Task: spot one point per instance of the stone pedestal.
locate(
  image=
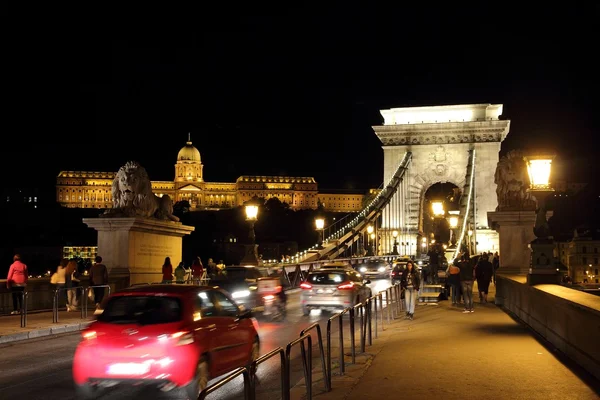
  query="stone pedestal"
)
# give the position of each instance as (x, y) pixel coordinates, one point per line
(543, 268)
(250, 255)
(138, 246)
(515, 231)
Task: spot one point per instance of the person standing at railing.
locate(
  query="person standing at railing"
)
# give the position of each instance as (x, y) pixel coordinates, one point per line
(180, 273)
(167, 271)
(197, 270)
(98, 277)
(60, 280)
(70, 269)
(411, 283)
(16, 282)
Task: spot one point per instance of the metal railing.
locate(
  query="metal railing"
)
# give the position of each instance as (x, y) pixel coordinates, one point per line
(222, 382)
(321, 351)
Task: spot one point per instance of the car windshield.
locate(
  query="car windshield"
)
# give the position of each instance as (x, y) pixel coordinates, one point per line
(142, 310)
(240, 274)
(326, 277)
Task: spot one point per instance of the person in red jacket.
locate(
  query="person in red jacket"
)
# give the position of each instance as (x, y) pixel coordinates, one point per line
(167, 271)
(16, 281)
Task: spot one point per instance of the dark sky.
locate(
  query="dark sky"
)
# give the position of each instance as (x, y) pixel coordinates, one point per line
(294, 93)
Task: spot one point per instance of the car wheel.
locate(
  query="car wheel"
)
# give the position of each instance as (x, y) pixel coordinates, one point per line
(305, 310)
(86, 391)
(200, 380)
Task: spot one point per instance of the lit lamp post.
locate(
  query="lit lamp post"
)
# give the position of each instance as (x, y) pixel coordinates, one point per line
(395, 249)
(453, 222)
(542, 268)
(251, 256)
(470, 233)
(320, 225)
(370, 237)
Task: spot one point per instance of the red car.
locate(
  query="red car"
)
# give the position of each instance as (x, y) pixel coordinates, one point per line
(169, 336)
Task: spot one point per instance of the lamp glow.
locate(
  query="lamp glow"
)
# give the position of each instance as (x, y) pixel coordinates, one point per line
(319, 223)
(538, 168)
(438, 208)
(453, 222)
(370, 229)
(251, 212)
(395, 234)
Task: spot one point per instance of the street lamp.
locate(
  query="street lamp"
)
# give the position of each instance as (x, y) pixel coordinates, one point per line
(453, 222)
(437, 207)
(320, 225)
(470, 233)
(542, 248)
(251, 256)
(372, 244)
(370, 236)
(395, 249)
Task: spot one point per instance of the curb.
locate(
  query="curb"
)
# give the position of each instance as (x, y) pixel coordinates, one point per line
(43, 332)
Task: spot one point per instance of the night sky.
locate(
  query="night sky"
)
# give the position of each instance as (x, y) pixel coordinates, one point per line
(292, 94)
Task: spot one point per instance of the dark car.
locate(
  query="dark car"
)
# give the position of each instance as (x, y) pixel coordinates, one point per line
(241, 283)
(165, 336)
(375, 268)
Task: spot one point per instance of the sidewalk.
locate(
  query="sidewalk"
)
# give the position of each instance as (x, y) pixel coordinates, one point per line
(446, 354)
(39, 324)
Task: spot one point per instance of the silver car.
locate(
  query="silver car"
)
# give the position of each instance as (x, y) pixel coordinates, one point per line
(333, 289)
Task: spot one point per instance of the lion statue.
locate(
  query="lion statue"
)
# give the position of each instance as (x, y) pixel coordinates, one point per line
(132, 196)
(512, 182)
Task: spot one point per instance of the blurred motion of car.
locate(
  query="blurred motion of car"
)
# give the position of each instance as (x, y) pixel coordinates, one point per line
(333, 289)
(167, 336)
(336, 265)
(241, 283)
(375, 268)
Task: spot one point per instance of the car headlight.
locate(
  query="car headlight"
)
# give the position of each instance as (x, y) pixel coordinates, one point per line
(240, 294)
(381, 269)
(420, 263)
(363, 269)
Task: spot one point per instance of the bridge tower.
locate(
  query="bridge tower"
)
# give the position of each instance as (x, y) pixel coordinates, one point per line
(445, 142)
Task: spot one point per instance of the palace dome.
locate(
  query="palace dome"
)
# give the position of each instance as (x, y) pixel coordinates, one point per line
(188, 152)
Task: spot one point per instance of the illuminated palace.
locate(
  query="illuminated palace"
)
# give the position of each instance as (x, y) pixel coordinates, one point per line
(78, 189)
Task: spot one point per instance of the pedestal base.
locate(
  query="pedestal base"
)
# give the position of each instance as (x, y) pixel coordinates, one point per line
(515, 229)
(543, 276)
(250, 255)
(138, 246)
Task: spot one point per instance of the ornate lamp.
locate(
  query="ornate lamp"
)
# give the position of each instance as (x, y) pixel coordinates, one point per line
(320, 225)
(251, 256)
(370, 237)
(542, 268)
(395, 249)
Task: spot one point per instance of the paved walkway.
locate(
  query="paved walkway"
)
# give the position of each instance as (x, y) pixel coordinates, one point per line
(445, 354)
(40, 324)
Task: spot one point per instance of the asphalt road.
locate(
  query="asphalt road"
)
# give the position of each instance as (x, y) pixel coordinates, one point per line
(41, 369)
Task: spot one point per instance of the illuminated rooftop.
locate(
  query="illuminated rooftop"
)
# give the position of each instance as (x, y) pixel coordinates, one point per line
(440, 114)
(276, 179)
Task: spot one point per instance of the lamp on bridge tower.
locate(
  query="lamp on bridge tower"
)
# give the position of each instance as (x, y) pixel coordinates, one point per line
(251, 255)
(543, 268)
(395, 249)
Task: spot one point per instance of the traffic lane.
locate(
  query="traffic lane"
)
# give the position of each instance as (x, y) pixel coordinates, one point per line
(43, 368)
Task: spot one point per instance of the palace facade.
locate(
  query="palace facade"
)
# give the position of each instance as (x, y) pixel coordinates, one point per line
(80, 189)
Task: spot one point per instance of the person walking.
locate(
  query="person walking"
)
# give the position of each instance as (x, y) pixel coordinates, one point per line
(167, 271)
(16, 282)
(454, 281)
(98, 277)
(483, 272)
(466, 282)
(495, 264)
(411, 283)
(61, 280)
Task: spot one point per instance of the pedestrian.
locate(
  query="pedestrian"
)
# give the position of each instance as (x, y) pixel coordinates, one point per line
(167, 271)
(454, 281)
(98, 279)
(197, 270)
(483, 272)
(411, 283)
(70, 270)
(466, 282)
(496, 264)
(16, 282)
(180, 273)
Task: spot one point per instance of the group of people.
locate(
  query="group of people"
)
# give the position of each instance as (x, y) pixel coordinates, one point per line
(195, 273)
(67, 278)
(461, 276)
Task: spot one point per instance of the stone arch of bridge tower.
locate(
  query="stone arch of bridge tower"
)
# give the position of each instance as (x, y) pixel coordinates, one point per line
(425, 180)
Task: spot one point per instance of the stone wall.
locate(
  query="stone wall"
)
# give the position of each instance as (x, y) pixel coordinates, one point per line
(569, 319)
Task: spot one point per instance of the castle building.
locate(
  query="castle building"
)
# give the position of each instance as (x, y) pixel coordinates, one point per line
(80, 189)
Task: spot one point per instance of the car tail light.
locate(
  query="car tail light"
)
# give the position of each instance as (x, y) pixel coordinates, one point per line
(305, 285)
(182, 338)
(346, 286)
(269, 297)
(89, 335)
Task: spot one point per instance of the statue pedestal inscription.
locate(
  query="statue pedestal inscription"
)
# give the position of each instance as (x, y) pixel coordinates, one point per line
(138, 246)
(515, 229)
